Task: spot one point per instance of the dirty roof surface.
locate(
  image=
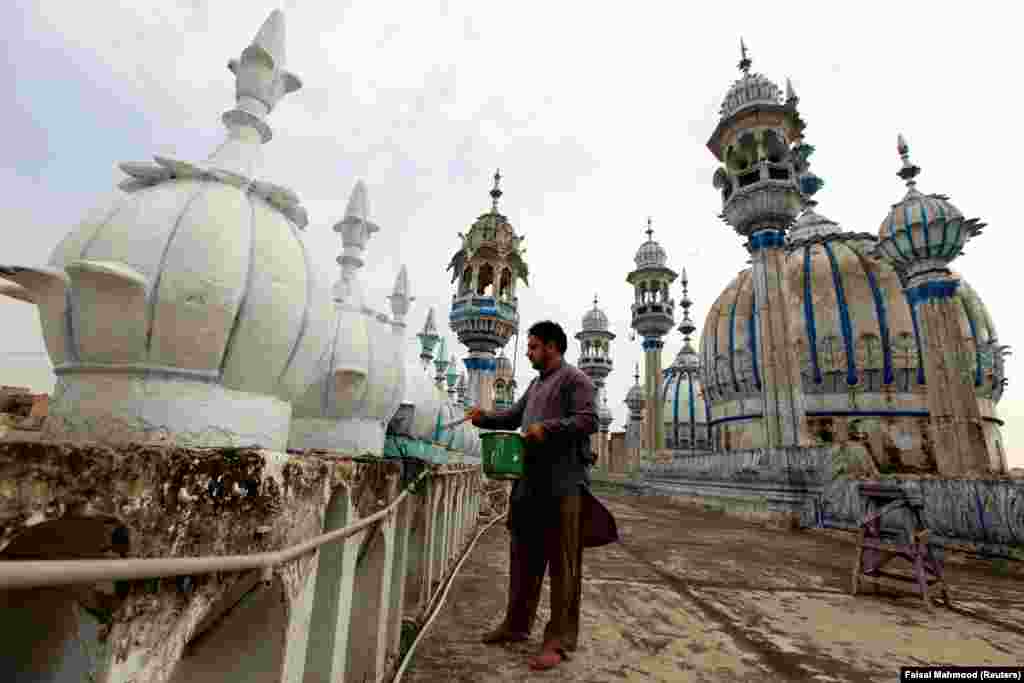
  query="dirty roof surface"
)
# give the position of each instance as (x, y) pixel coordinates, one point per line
(694, 595)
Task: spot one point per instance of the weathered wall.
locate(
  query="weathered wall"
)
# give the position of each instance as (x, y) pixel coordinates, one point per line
(76, 501)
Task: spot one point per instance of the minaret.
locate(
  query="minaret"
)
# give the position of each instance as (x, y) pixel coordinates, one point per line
(485, 309)
(428, 340)
(652, 318)
(503, 382)
(441, 363)
(688, 360)
(635, 400)
(462, 390)
(605, 419)
(761, 198)
(920, 237)
(596, 361)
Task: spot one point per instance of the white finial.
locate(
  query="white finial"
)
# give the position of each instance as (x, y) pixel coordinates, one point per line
(355, 232)
(790, 92)
(260, 77)
(909, 170)
(400, 297)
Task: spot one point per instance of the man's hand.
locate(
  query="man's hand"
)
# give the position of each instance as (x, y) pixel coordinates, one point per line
(474, 414)
(534, 432)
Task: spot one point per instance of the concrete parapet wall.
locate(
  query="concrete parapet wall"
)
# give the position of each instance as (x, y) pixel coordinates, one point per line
(74, 501)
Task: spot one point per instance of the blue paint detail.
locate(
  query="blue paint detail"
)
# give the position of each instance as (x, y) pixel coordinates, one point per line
(652, 343)
(883, 325)
(945, 229)
(892, 235)
(812, 333)
(675, 407)
(932, 291)
(481, 364)
(766, 239)
(693, 411)
(752, 336)
(977, 344)
(917, 340)
(842, 413)
(924, 225)
(844, 318)
(906, 230)
(707, 417)
(732, 339)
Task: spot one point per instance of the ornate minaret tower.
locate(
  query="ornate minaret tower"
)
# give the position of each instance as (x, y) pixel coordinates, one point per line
(688, 360)
(635, 400)
(920, 237)
(441, 363)
(485, 309)
(761, 198)
(596, 361)
(605, 419)
(504, 382)
(428, 340)
(652, 315)
(462, 390)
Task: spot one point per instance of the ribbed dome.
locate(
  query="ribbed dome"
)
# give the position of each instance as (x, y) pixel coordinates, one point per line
(922, 227)
(650, 255)
(635, 398)
(595, 320)
(684, 406)
(852, 325)
(748, 91)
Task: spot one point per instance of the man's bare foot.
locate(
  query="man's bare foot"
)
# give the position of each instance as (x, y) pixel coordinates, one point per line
(548, 659)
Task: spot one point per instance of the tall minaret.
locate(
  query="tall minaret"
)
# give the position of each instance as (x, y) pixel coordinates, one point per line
(596, 361)
(920, 237)
(485, 309)
(452, 378)
(652, 318)
(757, 139)
(635, 402)
(688, 360)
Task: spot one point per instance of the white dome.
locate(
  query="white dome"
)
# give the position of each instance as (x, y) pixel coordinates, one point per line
(650, 255)
(188, 310)
(595, 320)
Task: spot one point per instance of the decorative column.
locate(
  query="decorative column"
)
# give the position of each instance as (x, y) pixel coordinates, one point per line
(920, 237)
(452, 379)
(428, 340)
(441, 363)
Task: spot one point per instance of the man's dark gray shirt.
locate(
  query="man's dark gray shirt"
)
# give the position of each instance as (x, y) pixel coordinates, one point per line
(563, 401)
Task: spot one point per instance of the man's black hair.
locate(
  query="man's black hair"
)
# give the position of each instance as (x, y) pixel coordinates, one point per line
(548, 331)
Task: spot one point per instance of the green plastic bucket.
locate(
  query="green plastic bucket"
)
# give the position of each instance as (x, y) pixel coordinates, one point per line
(502, 454)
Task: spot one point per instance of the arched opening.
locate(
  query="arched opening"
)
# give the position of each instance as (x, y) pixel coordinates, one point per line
(366, 607)
(52, 635)
(328, 598)
(505, 289)
(774, 147)
(485, 279)
(246, 642)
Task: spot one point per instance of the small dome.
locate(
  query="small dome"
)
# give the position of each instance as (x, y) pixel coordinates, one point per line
(650, 255)
(750, 90)
(635, 398)
(812, 224)
(922, 226)
(595, 319)
(687, 359)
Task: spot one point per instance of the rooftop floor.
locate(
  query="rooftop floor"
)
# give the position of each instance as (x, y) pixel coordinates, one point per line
(690, 595)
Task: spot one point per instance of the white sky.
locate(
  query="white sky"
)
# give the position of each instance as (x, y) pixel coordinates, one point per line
(596, 113)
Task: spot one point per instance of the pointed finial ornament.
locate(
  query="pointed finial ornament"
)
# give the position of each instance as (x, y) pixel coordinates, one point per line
(636, 374)
(909, 170)
(496, 192)
(745, 62)
(400, 297)
(595, 301)
(260, 77)
(790, 92)
(649, 230)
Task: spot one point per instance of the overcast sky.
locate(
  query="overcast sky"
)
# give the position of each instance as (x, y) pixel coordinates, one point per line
(596, 113)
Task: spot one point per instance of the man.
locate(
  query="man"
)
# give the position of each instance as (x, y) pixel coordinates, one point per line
(550, 508)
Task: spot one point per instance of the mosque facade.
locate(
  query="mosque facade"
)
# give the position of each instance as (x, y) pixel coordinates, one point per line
(829, 337)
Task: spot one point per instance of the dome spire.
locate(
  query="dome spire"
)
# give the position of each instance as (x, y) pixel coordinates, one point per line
(636, 374)
(649, 230)
(744, 63)
(909, 170)
(496, 192)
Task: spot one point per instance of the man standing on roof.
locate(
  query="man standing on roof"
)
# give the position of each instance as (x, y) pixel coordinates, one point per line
(552, 515)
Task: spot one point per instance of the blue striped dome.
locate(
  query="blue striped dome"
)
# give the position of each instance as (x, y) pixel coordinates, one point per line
(852, 324)
(685, 412)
